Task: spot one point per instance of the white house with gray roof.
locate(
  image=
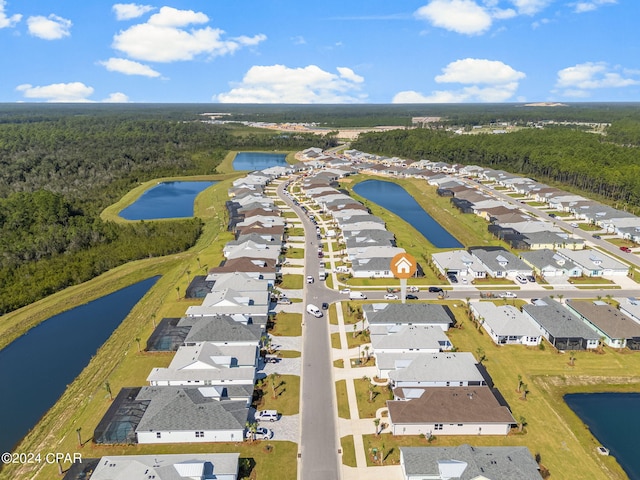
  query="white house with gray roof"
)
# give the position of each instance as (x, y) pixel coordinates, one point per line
(505, 324)
(376, 267)
(595, 263)
(189, 415)
(561, 328)
(408, 338)
(390, 314)
(499, 263)
(465, 462)
(460, 263)
(220, 330)
(548, 263)
(188, 466)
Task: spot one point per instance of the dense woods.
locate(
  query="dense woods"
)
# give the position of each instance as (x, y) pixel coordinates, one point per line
(586, 161)
(60, 167)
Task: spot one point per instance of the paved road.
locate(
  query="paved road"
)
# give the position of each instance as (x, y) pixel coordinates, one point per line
(319, 442)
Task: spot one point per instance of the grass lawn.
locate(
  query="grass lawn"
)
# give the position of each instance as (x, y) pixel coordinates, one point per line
(348, 451)
(368, 409)
(343, 401)
(294, 253)
(289, 354)
(333, 316)
(351, 312)
(338, 363)
(289, 214)
(590, 281)
(295, 232)
(335, 341)
(287, 324)
(359, 339)
(292, 281)
(287, 394)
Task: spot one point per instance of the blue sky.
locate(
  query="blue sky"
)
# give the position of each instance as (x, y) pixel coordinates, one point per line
(327, 51)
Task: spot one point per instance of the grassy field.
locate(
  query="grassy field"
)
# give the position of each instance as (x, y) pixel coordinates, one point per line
(342, 400)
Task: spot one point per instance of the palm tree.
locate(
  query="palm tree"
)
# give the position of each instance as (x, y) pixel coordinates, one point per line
(520, 383)
(138, 341)
(78, 430)
(572, 359)
(560, 297)
(355, 329)
(524, 392)
(107, 387)
(372, 389)
(178, 292)
(481, 355)
(188, 276)
(198, 260)
(609, 297)
(522, 423)
(272, 380)
(376, 422)
(252, 428)
(382, 449)
(366, 351)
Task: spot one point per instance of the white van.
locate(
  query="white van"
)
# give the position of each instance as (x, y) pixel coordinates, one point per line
(322, 275)
(313, 310)
(357, 296)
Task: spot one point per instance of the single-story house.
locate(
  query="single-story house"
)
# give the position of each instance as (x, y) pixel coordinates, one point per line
(450, 411)
(499, 263)
(408, 338)
(617, 329)
(594, 263)
(562, 329)
(464, 462)
(390, 314)
(505, 324)
(548, 263)
(460, 263)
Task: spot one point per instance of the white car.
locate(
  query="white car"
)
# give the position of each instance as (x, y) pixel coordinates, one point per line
(508, 295)
(309, 279)
(391, 296)
(345, 290)
(262, 433)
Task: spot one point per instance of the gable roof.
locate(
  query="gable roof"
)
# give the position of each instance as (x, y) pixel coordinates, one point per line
(406, 313)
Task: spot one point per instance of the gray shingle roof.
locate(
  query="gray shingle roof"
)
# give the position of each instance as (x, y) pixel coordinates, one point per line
(558, 321)
(220, 329)
(409, 313)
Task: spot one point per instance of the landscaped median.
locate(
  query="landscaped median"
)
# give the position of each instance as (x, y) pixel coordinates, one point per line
(342, 399)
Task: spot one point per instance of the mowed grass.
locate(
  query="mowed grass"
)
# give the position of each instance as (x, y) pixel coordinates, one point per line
(366, 408)
(287, 395)
(291, 281)
(343, 401)
(348, 451)
(287, 324)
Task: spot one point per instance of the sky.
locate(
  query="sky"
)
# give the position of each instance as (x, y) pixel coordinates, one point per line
(327, 51)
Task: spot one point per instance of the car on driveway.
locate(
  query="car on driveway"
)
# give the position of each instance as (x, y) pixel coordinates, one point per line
(521, 279)
(262, 433)
(508, 295)
(531, 278)
(270, 415)
(390, 296)
(452, 278)
(284, 301)
(411, 297)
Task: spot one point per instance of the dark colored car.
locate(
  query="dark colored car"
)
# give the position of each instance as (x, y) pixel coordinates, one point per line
(411, 297)
(325, 306)
(435, 290)
(597, 237)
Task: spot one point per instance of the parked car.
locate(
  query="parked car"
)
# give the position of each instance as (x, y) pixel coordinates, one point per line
(435, 289)
(390, 296)
(309, 279)
(508, 295)
(411, 297)
(262, 433)
(531, 278)
(521, 279)
(625, 249)
(267, 415)
(452, 278)
(284, 301)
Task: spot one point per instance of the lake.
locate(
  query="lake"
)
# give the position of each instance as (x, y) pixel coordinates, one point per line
(258, 160)
(165, 200)
(394, 198)
(36, 368)
(614, 419)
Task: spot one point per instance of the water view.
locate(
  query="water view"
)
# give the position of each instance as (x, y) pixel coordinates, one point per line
(614, 419)
(258, 160)
(165, 200)
(396, 199)
(36, 368)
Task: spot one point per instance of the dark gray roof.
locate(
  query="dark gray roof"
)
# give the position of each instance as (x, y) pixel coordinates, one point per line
(558, 321)
(376, 264)
(183, 408)
(219, 328)
(493, 259)
(496, 463)
(408, 313)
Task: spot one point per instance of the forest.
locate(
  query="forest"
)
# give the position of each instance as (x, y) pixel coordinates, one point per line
(60, 167)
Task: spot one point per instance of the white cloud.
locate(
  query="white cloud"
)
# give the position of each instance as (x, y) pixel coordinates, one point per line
(117, 97)
(127, 11)
(576, 81)
(129, 67)
(281, 84)
(58, 92)
(591, 5)
(6, 21)
(487, 80)
(530, 7)
(162, 39)
(52, 27)
(298, 40)
(461, 16)
(477, 70)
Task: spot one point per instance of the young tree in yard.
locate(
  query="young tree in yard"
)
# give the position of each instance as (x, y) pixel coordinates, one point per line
(355, 329)
(372, 390)
(138, 342)
(273, 378)
(520, 383)
(366, 351)
(78, 430)
(521, 423)
(107, 387)
(252, 428)
(572, 359)
(188, 277)
(376, 422)
(524, 392)
(382, 449)
(178, 292)
(481, 355)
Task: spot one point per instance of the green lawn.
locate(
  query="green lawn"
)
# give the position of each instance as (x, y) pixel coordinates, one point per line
(342, 400)
(348, 451)
(287, 324)
(368, 409)
(289, 354)
(287, 394)
(294, 253)
(335, 341)
(292, 281)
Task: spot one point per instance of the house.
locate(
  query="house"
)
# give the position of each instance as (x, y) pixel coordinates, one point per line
(499, 263)
(459, 263)
(464, 462)
(616, 328)
(449, 369)
(220, 330)
(450, 411)
(252, 250)
(376, 267)
(252, 306)
(391, 314)
(408, 338)
(188, 415)
(208, 364)
(594, 263)
(159, 467)
(258, 268)
(505, 324)
(548, 263)
(630, 307)
(562, 329)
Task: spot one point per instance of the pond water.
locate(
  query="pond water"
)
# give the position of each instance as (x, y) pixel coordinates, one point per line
(165, 200)
(394, 198)
(36, 368)
(258, 160)
(614, 419)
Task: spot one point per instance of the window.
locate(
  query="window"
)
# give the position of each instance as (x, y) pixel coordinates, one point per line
(158, 434)
(199, 434)
(438, 426)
